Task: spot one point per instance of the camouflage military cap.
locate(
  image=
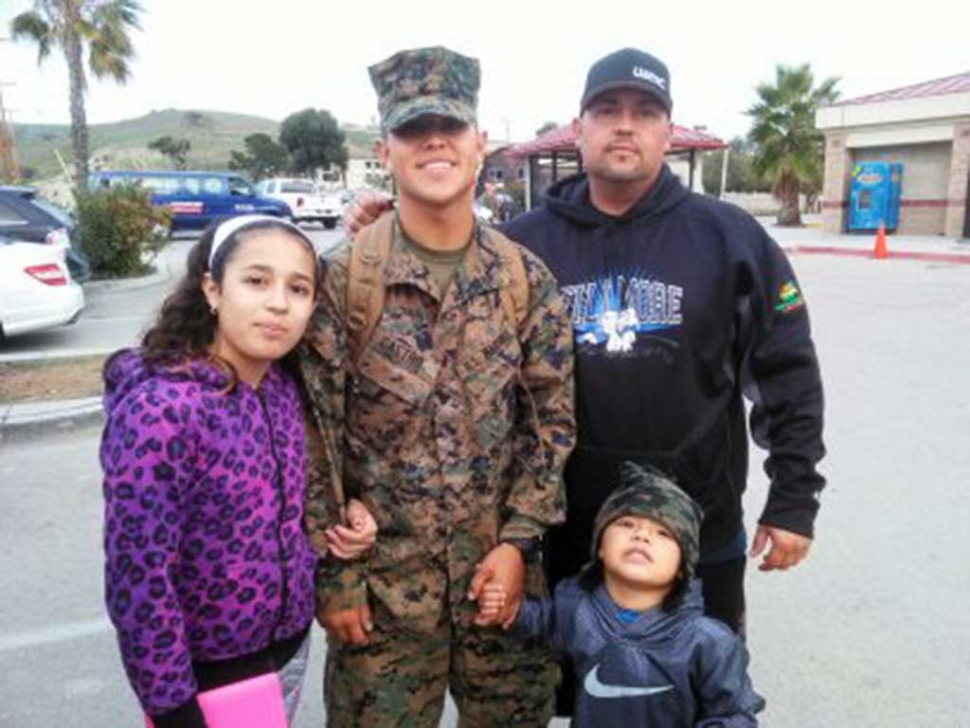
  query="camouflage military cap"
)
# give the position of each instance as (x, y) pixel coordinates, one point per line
(423, 81)
(650, 494)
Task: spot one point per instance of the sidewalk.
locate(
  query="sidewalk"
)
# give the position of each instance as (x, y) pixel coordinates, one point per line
(18, 418)
(813, 241)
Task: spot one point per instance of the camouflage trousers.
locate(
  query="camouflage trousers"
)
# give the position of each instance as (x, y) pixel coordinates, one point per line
(400, 678)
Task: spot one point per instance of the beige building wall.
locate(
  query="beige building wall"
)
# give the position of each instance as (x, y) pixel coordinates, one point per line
(835, 190)
(929, 134)
(959, 179)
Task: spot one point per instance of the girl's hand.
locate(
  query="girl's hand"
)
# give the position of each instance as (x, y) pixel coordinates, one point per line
(356, 535)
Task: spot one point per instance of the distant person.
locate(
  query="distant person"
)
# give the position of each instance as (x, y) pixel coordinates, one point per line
(208, 570)
(633, 624)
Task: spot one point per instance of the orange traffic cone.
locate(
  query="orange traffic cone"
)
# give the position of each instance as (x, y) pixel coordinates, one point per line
(881, 252)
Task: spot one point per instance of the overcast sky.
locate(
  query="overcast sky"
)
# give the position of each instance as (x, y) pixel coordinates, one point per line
(278, 57)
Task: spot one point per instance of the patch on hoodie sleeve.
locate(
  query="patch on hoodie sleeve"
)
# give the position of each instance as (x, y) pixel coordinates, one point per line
(789, 298)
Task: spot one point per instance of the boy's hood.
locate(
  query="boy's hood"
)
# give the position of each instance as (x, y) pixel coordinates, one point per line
(656, 624)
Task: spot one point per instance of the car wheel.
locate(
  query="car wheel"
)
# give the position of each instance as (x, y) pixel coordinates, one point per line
(329, 224)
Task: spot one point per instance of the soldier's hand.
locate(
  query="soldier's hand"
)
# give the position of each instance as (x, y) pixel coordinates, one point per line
(366, 207)
(348, 625)
(503, 565)
(356, 535)
(491, 604)
(787, 548)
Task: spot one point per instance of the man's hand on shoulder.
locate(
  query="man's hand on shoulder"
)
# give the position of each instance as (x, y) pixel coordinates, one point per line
(366, 207)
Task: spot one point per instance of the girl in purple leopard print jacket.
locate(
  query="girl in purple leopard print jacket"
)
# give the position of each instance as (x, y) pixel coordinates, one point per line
(209, 573)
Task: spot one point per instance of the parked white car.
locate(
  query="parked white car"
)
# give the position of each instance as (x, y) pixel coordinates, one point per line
(36, 289)
(305, 204)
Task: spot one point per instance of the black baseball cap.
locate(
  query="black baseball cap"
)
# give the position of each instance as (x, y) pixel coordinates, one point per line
(628, 68)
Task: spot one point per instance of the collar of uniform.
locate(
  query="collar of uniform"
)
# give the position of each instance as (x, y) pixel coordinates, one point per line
(405, 268)
(482, 270)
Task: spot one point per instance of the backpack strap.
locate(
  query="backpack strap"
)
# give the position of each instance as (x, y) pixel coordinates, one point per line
(369, 254)
(514, 295)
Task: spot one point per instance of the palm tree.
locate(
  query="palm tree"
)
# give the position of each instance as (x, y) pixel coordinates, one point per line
(102, 28)
(788, 148)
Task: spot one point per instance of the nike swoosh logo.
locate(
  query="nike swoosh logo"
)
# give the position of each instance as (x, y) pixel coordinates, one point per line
(597, 689)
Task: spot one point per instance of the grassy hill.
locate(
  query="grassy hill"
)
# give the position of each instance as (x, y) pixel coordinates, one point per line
(124, 144)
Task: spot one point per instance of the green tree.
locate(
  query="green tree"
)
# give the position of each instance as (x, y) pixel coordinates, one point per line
(741, 176)
(120, 228)
(314, 140)
(547, 127)
(788, 148)
(263, 157)
(100, 27)
(175, 149)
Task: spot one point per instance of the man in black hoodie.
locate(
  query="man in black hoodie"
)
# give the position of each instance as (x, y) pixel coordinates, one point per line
(680, 303)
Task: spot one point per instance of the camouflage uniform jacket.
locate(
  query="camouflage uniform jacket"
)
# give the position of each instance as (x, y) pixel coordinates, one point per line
(450, 431)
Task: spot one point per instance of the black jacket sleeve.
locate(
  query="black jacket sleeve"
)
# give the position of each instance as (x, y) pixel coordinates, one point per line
(782, 379)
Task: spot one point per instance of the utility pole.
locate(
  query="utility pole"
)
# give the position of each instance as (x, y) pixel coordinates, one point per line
(724, 171)
(9, 169)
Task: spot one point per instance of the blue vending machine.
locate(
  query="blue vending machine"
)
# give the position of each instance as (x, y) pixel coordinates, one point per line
(874, 195)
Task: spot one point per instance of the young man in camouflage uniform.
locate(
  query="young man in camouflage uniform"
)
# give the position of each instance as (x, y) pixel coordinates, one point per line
(451, 422)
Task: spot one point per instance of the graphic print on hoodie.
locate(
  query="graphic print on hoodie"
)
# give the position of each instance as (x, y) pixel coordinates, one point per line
(620, 310)
(626, 301)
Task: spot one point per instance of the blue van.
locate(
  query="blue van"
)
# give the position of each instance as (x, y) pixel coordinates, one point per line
(195, 198)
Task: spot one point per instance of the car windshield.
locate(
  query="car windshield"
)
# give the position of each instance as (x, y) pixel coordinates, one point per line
(240, 187)
(305, 188)
(54, 211)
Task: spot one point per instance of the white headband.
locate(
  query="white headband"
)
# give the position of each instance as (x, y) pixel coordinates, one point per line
(233, 225)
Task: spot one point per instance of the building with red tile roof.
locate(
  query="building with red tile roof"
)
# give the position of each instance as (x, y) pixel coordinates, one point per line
(926, 128)
(553, 155)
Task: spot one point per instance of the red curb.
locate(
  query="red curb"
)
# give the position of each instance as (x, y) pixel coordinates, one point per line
(859, 253)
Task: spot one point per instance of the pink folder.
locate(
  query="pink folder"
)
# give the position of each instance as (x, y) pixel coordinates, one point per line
(253, 703)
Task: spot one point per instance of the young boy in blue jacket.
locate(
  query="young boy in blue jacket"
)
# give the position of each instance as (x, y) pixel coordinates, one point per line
(632, 621)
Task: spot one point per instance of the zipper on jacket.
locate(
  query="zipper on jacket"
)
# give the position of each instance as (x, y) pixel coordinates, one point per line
(279, 525)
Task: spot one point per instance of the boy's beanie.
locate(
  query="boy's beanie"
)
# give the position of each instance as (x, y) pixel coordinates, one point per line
(649, 494)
